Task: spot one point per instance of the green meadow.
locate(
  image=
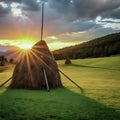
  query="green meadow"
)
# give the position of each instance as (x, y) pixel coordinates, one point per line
(99, 98)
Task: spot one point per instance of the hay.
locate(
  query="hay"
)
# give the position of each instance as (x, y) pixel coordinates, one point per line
(28, 73)
(67, 61)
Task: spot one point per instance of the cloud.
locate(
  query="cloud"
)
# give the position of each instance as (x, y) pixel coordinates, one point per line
(61, 17)
(115, 13)
(4, 9)
(31, 5)
(80, 8)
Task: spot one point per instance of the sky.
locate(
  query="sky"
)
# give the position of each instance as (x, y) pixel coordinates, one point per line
(66, 22)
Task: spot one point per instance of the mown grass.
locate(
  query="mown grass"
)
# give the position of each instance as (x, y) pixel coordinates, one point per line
(6, 73)
(99, 79)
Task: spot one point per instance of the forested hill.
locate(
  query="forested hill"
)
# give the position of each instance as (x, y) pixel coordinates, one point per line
(100, 47)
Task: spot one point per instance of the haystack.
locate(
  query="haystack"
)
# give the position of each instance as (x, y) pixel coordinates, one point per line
(29, 73)
(67, 61)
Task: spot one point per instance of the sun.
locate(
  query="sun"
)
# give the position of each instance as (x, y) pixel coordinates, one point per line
(25, 43)
(25, 46)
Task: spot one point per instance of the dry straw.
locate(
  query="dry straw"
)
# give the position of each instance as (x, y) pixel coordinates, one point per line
(29, 72)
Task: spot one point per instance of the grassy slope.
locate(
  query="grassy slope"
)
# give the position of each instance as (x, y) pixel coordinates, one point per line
(99, 79)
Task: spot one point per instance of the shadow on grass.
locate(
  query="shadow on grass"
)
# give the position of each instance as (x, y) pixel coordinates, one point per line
(85, 66)
(59, 104)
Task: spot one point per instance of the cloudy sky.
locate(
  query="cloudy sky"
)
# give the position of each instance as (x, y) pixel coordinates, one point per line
(67, 22)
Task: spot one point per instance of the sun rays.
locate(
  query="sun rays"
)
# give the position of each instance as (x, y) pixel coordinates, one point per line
(25, 43)
(26, 51)
(33, 66)
(31, 57)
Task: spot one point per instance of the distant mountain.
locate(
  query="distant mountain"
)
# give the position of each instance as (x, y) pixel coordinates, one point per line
(2, 53)
(100, 47)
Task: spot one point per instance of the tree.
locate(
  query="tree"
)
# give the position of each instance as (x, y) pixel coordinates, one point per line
(2, 61)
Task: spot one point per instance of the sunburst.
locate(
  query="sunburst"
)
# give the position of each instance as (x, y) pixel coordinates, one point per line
(25, 46)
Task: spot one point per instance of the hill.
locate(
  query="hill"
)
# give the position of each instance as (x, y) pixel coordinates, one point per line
(100, 99)
(100, 47)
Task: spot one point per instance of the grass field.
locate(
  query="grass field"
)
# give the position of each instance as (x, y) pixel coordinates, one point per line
(99, 100)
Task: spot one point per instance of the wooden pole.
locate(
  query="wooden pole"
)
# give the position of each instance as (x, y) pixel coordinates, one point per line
(71, 80)
(42, 22)
(6, 82)
(46, 80)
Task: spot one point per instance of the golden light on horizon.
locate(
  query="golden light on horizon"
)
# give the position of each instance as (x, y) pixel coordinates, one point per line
(59, 44)
(25, 43)
(25, 46)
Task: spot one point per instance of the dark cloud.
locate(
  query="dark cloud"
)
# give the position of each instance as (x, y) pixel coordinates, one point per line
(3, 11)
(115, 13)
(84, 9)
(83, 26)
(4, 8)
(60, 15)
(60, 5)
(9, 1)
(31, 5)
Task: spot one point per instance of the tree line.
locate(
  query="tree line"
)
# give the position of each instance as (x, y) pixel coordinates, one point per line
(4, 60)
(100, 47)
